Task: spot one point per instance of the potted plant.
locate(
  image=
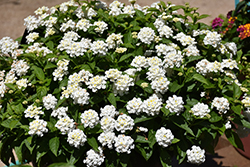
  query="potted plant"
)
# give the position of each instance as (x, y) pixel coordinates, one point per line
(106, 85)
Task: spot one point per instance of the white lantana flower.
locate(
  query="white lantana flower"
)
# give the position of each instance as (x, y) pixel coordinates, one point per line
(32, 37)
(134, 106)
(90, 118)
(123, 123)
(109, 110)
(152, 105)
(200, 110)
(60, 112)
(196, 155)
(107, 124)
(160, 85)
(49, 102)
(76, 138)
(146, 35)
(175, 104)
(221, 104)
(164, 137)
(22, 83)
(94, 158)
(38, 127)
(99, 47)
(97, 82)
(101, 26)
(107, 139)
(65, 125)
(139, 62)
(124, 144)
(33, 112)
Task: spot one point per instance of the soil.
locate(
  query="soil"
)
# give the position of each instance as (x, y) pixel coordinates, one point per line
(13, 12)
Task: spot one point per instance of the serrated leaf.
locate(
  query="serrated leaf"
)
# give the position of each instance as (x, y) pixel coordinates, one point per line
(151, 138)
(41, 92)
(50, 45)
(236, 91)
(111, 99)
(236, 109)
(93, 143)
(173, 87)
(10, 123)
(128, 45)
(185, 127)
(11, 86)
(54, 144)
(146, 155)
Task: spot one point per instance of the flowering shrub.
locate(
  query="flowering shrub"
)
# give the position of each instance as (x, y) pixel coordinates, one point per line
(98, 84)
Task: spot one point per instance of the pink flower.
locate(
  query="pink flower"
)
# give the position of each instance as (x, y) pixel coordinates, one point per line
(217, 22)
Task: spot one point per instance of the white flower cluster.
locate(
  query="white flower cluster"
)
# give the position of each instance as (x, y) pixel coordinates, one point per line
(22, 83)
(65, 125)
(160, 85)
(83, 25)
(196, 155)
(38, 49)
(139, 62)
(122, 84)
(62, 69)
(134, 106)
(49, 102)
(108, 123)
(71, 46)
(101, 26)
(124, 144)
(89, 118)
(109, 110)
(200, 110)
(32, 37)
(3, 89)
(124, 122)
(8, 45)
(212, 38)
(33, 112)
(146, 35)
(152, 105)
(97, 82)
(107, 139)
(114, 40)
(175, 104)
(185, 39)
(221, 104)
(76, 138)
(31, 23)
(20, 67)
(60, 112)
(164, 137)
(38, 127)
(94, 158)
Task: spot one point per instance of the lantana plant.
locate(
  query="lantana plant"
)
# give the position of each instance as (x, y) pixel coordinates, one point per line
(93, 84)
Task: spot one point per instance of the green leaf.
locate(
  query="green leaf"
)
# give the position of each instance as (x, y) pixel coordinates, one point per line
(41, 92)
(142, 119)
(151, 138)
(50, 65)
(124, 57)
(184, 126)
(166, 159)
(86, 67)
(38, 72)
(239, 54)
(214, 117)
(200, 78)
(193, 58)
(165, 111)
(203, 16)
(175, 140)
(236, 91)
(237, 109)
(10, 123)
(93, 143)
(141, 139)
(146, 153)
(11, 86)
(19, 109)
(173, 87)
(234, 139)
(111, 99)
(61, 165)
(139, 13)
(54, 145)
(128, 45)
(50, 45)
